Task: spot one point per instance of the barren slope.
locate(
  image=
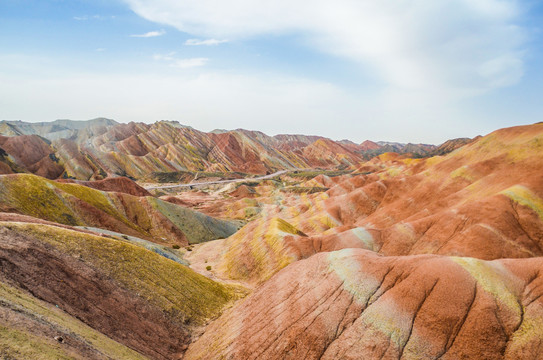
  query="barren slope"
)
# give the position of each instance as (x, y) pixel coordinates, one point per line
(354, 304)
(484, 200)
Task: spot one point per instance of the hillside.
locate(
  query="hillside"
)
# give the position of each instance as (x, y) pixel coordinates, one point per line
(79, 205)
(102, 147)
(106, 298)
(395, 257)
(483, 201)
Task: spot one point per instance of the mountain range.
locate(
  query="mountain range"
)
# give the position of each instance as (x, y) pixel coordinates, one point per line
(395, 257)
(96, 149)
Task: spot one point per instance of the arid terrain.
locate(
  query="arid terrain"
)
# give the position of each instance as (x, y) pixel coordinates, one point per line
(159, 241)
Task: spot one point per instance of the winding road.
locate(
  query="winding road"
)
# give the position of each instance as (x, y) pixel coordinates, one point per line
(264, 177)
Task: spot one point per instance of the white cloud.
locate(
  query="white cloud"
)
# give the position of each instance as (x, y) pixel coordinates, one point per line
(150, 34)
(93, 17)
(180, 63)
(502, 71)
(208, 42)
(189, 63)
(100, 49)
(413, 44)
(166, 57)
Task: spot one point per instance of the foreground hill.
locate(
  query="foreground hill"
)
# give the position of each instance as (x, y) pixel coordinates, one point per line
(354, 304)
(69, 294)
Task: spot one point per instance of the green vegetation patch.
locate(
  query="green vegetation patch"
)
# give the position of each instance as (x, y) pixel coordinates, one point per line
(49, 200)
(526, 197)
(96, 198)
(266, 250)
(188, 176)
(304, 189)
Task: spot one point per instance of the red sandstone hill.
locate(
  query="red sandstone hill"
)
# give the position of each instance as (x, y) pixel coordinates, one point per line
(102, 148)
(369, 145)
(355, 304)
(483, 201)
(32, 153)
(385, 293)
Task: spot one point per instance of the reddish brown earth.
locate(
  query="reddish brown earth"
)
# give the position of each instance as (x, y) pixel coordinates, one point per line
(354, 304)
(88, 294)
(369, 145)
(471, 203)
(412, 277)
(451, 145)
(33, 154)
(243, 192)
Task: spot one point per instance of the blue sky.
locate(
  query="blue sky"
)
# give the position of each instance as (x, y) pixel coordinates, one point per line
(410, 71)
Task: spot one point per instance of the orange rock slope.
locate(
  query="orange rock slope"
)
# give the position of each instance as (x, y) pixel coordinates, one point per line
(403, 261)
(483, 200)
(355, 304)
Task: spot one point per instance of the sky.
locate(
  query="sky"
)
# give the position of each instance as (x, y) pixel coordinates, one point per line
(397, 70)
